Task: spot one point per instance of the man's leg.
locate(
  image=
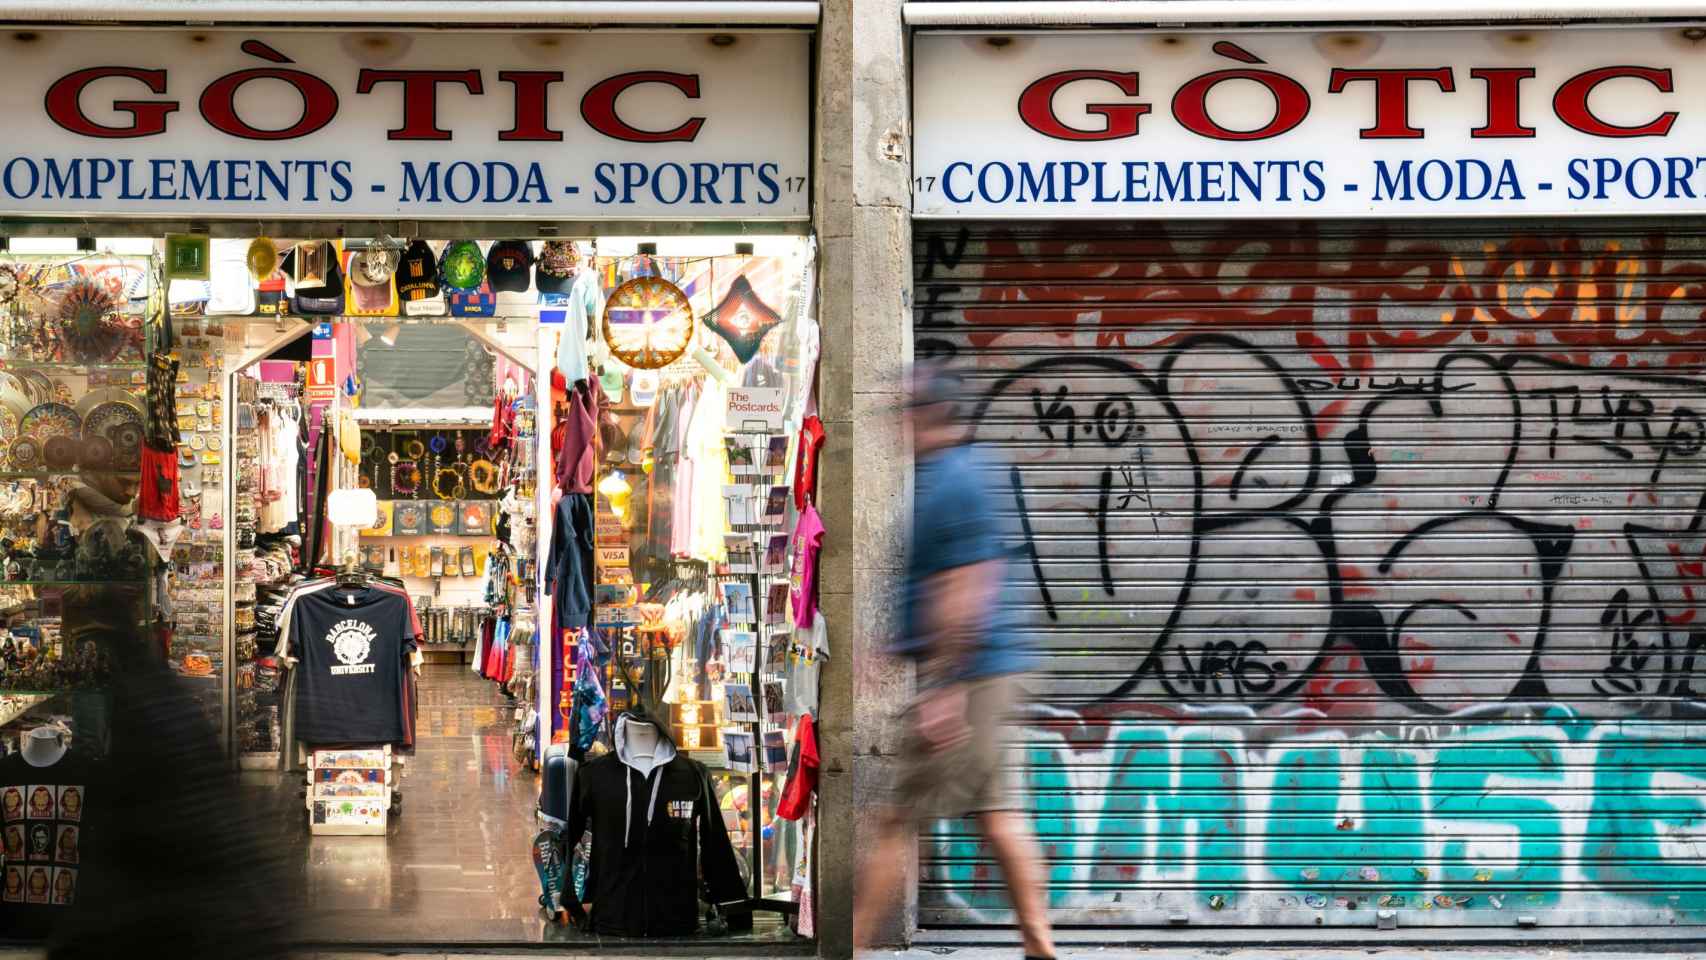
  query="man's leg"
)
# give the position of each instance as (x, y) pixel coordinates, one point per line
(880, 878)
(1021, 864)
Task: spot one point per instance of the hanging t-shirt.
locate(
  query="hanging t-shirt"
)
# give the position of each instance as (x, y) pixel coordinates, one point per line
(808, 538)
(350, 644)
(43, 813)
(805, 462)
(802, 772)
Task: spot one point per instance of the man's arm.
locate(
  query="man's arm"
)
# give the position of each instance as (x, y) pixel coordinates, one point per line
(956, 604)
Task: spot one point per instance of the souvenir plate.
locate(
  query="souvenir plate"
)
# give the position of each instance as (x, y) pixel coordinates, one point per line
(38, 385)
(25, 454)
(105, 419)
(51, 420)
(104, 396)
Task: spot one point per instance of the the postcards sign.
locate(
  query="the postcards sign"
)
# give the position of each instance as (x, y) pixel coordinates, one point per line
(680, 125)
(1297, 124)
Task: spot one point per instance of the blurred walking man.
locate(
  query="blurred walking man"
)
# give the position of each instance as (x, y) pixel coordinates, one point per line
(969, 653)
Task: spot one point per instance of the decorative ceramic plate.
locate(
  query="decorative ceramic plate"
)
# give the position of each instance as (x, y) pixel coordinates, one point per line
(38, 385)
(51, 420)
(26, 454)
(104, 395)
(106, 417)
(648, 323)
(97, 452)
(61, 451)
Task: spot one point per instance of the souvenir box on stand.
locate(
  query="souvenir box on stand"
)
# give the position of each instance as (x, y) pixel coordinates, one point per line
(349, 792)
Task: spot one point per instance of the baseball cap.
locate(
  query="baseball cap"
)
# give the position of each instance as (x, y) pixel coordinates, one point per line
(611, 380)
(555, 271)
(643, 388)
(508, 264)
(417, 272)
(462, 267)
(370, 273)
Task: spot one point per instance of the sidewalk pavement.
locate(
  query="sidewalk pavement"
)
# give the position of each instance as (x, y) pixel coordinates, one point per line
(1012, 953)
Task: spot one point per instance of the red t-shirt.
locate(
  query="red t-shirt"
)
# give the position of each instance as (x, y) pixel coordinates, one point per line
(802, 772)
(805, 465)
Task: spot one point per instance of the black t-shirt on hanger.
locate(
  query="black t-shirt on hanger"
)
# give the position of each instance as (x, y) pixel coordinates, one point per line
(350, 644)
(44, 812)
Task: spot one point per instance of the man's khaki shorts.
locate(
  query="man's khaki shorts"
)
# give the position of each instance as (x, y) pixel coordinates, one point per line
(973, 777)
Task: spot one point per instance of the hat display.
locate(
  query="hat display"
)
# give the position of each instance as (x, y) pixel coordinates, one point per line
(262, 258)
(508, 264)
(374, 266)
(417, 272)
(462, 267)
(555, 271)
(643, 387)
(370, 273)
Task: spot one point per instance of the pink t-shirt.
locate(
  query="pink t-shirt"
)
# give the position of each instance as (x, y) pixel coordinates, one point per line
(808, 537)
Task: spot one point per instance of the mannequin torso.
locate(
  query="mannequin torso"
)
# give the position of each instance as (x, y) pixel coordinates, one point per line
(642, 740)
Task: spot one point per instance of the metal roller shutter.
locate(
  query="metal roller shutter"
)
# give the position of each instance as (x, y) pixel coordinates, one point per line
(1365, 560)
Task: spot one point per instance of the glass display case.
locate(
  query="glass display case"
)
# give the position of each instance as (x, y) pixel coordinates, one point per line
(75, 567)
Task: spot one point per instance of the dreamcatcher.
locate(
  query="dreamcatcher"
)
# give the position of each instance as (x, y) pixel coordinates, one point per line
(91, 325)
(648, 323)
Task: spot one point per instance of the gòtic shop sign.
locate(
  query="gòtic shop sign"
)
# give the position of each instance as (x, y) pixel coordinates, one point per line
(1300, 124)
(673, 124)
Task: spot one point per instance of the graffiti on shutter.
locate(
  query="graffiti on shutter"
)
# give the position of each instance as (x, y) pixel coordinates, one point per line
(1366, 567)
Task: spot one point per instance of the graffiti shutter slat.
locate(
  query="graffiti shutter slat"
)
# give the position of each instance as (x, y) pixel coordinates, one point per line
(1367, 566)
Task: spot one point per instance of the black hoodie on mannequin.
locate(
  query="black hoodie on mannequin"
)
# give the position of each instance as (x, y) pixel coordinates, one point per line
(656, 830)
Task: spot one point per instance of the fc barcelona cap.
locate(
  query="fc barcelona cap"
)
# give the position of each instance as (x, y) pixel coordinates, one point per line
(417, 272)
(509, 265)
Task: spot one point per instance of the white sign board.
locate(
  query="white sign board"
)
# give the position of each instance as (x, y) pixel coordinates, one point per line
(1266, 124)
(754, 409)
(675, 124)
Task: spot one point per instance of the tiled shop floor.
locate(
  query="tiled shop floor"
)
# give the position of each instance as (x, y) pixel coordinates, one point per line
(456, 866)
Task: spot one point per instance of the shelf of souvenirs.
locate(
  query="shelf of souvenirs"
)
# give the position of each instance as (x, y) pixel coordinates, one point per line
(70, 474)
(72, 366)
(16, 705)
(136, 582)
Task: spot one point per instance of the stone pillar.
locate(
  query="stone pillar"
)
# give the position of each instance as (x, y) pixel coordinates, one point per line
(863, 203)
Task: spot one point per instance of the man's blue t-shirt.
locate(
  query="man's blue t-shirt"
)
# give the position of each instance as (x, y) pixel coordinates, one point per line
(957, 520)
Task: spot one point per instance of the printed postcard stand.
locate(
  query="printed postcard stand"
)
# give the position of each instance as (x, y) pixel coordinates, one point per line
(755, 515)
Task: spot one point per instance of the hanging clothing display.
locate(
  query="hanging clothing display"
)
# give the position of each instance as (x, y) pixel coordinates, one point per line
(657, 834)
(351, 644)
(568, 576)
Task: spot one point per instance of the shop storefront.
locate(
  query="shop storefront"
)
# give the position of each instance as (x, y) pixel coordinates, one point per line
(1352, 386)
(440, 406)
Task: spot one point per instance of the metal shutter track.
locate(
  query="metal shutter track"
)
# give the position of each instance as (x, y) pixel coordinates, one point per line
(1365, 561)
